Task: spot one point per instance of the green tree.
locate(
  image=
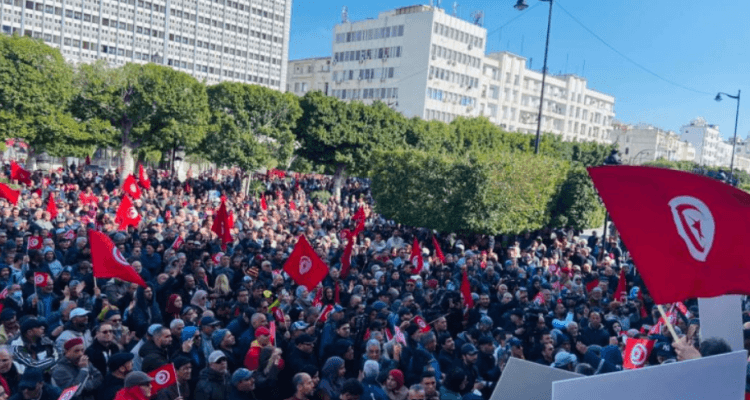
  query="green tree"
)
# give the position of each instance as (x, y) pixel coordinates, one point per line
(251, 126)
(36, 88)
(577, 202)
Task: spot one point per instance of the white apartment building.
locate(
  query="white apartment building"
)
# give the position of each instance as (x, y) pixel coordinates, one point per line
(309, 74)
(215, 40)
(426, 63)
(642, 143)
(705, 138)
(511, 94)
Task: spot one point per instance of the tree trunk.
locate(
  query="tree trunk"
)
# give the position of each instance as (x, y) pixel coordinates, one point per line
(128, 164)
(31, 159)
(338, 180)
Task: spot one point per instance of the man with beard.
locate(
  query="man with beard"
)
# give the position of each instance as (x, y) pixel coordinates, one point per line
(103, 347)
(32, 349)
(77, 327)
(119, 365)
(154, 352)
(74, 369)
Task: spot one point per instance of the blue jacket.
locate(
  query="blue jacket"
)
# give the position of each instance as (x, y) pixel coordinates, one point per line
(372, 390)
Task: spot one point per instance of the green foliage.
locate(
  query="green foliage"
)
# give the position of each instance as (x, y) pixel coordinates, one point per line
(251, 126)
(321, 195)
(577, 202)
(743, 178)
(499, 192)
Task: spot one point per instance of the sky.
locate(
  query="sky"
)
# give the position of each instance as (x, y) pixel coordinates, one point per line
(702, 47)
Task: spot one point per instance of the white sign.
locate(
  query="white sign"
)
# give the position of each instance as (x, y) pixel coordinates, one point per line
(722, 317)
(526, 380)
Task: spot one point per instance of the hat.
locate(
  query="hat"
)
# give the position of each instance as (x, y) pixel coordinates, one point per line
(216, 356)
(664, 349)
(218, 337)
(563, 359)
(118, 360)
(468, 348)
(299, 325)
(7, 315)
(379, 305)
(28, 324)
(137, 378)
(262, 331)
(209, 321)
(179, 361)
(337, 308)
(152, 329)
(304, 338)
(78, 312)
(515, 342)
(74, 283)
(31, 376)
(70, 343)
(241, 375)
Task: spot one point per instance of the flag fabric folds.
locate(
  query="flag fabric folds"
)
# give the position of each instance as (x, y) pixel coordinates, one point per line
(108, 262)
(20, 174)
(636, 352)
(466, 291)
(164, 376)
(143, 178)
(127, 215)
(221, 225)
(304, 265)
(416, 257)
(130, 186)
(51, 206)
(9, 194)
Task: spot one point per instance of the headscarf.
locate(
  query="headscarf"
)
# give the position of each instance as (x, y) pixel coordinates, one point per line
(194, 301)
(330, 381)
(171, 307)
(397, 376)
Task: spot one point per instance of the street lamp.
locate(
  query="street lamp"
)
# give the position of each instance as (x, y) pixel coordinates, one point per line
(612, 159)
(520, 6)
(736, 119)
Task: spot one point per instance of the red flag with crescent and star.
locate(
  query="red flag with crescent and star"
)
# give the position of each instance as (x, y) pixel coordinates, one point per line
(304, 265)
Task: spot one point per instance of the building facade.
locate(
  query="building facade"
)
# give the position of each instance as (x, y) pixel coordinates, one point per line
(426, 63)
(219, 40)
(642, 143)
(309, 74)
(705, 138)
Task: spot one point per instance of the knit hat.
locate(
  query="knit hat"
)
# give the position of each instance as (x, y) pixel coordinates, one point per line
(262, 331)
(218, 337)
(70, 343)
(188, 332)
(179, 361)
(119, 359)
(241, 375)
(137, 378)
(397, 376)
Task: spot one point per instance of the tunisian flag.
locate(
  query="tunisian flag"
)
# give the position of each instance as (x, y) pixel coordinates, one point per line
(130, 186)
(346, 258)
(143, 178)
(304, 266)
(438, 251)
(621, 293)
(416, 257)
(466, 291)
(9, 194)
(51, 206)
(164, 376)
(636, 352)
(108, 262)
(20, 174)
(127, 215)
(221, 225)
(35, 243)
(687, 233)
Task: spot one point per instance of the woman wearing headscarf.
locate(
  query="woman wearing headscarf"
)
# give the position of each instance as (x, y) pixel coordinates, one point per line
(200, 300)
(303, 298)
(394, 385)
(174, 306)
(332, 378)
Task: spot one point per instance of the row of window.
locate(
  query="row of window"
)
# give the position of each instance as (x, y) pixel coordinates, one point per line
(370, 34)
(461, 36)
(369, 54)
(363, 74)
(366, 94)
(439, 115)
(453, 77)
(449, 97)
(226, 73)
(227, 50)
(230, 27)
(457, 56)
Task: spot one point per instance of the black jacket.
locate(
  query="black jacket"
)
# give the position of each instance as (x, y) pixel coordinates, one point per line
(96, 352)
(212, 385)
(153, 356)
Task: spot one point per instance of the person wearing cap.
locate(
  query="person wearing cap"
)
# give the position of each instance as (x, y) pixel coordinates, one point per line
(328, 335)
(214, 379)
(303, 353)
(224, 341)
(243, 385)
(32, 386)
(103, 348)
(137, 387)
(120, 365)
(76, 327)
(469, 355)
(208, 325)
(32, 349)
(74, 369)
(262, 339)
(184, 369)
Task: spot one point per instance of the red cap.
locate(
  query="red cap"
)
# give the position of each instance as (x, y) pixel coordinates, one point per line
(262, 331)
(72, 343)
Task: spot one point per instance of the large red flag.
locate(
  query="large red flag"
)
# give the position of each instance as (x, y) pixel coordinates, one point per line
(20, 174)
(687, 233)
(636, 352)
(164, 376)
(130, 186)
(360, 215)
(416, 257)
(621, 290)
(304, 266)
(438, 251)
(263, 204)
(143, 178)
(108, 262)
(127, 215)
(9, 194)
(51, 206)
(221, 225)
(466, 291)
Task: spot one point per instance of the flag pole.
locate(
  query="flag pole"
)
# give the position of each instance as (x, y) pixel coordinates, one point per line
(666, 321)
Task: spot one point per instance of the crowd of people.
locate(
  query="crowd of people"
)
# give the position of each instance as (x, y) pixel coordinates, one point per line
(235, 326)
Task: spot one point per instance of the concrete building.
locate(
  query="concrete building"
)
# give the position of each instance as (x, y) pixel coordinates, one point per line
(639, 144)
(220, 40)
(308, 75)
(426, 63)
(705, 138)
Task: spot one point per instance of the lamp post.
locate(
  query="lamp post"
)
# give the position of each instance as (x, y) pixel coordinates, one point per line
(520, 6)
(736, 119)
(612, 159)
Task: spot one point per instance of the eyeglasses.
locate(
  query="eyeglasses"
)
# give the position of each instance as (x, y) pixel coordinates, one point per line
(116, 320)
(106, 332)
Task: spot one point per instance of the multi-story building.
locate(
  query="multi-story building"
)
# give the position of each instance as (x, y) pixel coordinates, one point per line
(705, 138)
(511, 94)
(642, 143)
(424, 62)
(308, 75)
(213, 40)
